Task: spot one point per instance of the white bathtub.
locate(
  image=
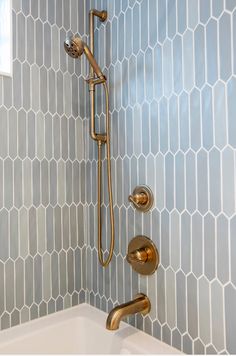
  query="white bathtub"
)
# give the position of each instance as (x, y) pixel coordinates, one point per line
(79, 330)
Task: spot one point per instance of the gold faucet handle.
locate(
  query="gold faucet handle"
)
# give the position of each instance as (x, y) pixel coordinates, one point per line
(140, 256)
(139, 198)
(142, 198)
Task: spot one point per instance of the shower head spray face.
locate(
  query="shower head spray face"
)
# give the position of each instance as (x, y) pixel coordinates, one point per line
(74, 46)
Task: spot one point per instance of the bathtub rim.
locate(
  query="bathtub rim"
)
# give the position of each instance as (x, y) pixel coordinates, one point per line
(83, 310)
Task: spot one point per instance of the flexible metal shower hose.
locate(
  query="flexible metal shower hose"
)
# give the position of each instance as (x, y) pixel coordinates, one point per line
(106, 262)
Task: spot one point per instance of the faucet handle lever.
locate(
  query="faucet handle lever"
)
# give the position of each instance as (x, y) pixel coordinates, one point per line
(138, 199)
(141, 255)
(142, 198)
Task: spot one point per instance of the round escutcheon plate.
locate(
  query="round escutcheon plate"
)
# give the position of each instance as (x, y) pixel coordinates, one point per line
(145, 190)
(139, 243)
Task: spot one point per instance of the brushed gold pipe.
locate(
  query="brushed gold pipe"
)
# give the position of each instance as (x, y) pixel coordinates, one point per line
(92, 83)
(91, 38)
(95, 136)
(92, 114)
(99, 187)
(102, 15)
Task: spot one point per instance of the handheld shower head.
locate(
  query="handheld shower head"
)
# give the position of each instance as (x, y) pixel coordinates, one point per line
(75, 47)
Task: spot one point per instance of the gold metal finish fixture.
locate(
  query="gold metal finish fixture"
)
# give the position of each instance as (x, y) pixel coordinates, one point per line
(140, 304)
(102, 15)
(142, 198)
(143, 255)
(75, 47)
(101, 139)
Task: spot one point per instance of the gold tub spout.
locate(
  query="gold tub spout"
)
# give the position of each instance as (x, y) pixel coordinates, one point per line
(140, 304)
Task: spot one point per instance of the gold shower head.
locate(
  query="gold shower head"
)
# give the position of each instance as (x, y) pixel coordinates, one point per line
(75, 47)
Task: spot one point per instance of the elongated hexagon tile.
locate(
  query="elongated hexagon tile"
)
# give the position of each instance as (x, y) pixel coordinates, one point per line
(225, 46)
(230, 307)
(217, 311)
(172, 127)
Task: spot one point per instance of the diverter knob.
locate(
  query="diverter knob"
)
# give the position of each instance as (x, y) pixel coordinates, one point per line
(142, 198)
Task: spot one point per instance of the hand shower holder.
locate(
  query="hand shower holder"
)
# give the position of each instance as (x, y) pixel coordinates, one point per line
(92, 82)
